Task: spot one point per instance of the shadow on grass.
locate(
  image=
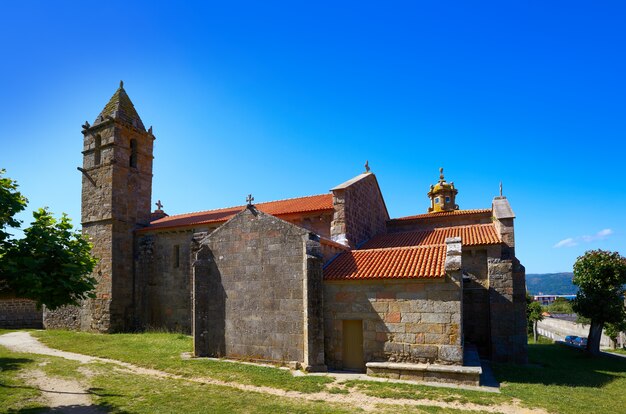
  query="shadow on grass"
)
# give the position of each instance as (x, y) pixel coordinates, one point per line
(73, 409)
(13, 364)
(66, 409)
(553, 364)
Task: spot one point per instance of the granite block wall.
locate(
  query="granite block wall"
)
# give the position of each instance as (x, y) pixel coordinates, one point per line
(507, 306)
(429, 223)
(413, 321)
(17, 313)
(163, 280)
(476, 313)
(256, 292)
(116, 196)
(360, 211)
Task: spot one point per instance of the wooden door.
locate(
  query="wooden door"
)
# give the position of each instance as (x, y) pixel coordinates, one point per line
(353, 346)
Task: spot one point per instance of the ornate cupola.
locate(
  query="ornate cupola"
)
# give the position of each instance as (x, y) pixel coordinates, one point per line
(442, 195)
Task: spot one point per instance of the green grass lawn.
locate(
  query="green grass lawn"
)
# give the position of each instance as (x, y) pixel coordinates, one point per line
(15, 394)
(121, 392)
(558, 378)
(617, 351)
(415, 391)
(128, 393)
(115, 392)
(566, 380)
(163, 351)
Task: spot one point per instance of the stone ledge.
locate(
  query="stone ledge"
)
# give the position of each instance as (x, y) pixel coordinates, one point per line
(454, 374)
(454, 369)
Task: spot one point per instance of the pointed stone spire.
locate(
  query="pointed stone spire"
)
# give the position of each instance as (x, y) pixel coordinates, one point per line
(122, 109)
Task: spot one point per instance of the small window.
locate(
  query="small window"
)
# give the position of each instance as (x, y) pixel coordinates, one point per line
(437, 200)
(96, 152)
(176, 256)
(133, 153)
(447, 199)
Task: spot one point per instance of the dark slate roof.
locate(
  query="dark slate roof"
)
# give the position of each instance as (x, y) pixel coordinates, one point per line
(121, 108)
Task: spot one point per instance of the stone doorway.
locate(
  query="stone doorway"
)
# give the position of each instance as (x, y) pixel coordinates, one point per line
(353, 346)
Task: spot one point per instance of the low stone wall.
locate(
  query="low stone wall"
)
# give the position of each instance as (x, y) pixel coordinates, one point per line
(65, 317)
(16, 313)
(426, 372)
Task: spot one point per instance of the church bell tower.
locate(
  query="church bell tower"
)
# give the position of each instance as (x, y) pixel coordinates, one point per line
(116, 194)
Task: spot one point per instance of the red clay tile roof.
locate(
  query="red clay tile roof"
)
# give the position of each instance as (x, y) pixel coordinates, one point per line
(471, 235)
(445, 214)
(417, 254)
(278, 208)
(405, 262)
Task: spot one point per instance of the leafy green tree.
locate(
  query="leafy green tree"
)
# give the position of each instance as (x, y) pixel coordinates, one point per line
(600, 276)
(51, 264)
(533, 315)
(11, 203)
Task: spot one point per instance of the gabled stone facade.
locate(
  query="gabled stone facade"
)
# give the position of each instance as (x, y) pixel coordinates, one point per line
(257, 292)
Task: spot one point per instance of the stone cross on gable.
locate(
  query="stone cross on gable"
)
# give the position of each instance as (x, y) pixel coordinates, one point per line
(159, 205)
(249, 199)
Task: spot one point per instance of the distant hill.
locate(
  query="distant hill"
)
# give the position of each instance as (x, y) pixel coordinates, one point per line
(551, 284)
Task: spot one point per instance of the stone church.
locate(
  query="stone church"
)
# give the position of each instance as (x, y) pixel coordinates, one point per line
(326, 281)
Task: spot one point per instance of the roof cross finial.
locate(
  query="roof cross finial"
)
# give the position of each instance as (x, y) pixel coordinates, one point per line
(121, 84)
(500, 188)
(159, 205)
(249, 199)
(367, 166)
(441, 174)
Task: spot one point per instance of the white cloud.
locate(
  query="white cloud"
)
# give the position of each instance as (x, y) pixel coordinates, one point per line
(569, 242)
(575, 241)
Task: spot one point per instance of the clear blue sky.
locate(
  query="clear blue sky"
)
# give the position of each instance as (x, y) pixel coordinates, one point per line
(284, 100)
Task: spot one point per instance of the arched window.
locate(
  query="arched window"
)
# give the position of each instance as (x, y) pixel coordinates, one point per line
(133, 153)
(96, 152)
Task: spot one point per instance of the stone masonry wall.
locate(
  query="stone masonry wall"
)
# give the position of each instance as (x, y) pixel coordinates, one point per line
(115, 201)
(16, 313)
(360, 211)
(256, 291)
(65, 317)
(507, 289)
(164, 283)
(476, 313)
(317, 223)
(403, 320)
(163, 292)
(429, 223)
(94, 314)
